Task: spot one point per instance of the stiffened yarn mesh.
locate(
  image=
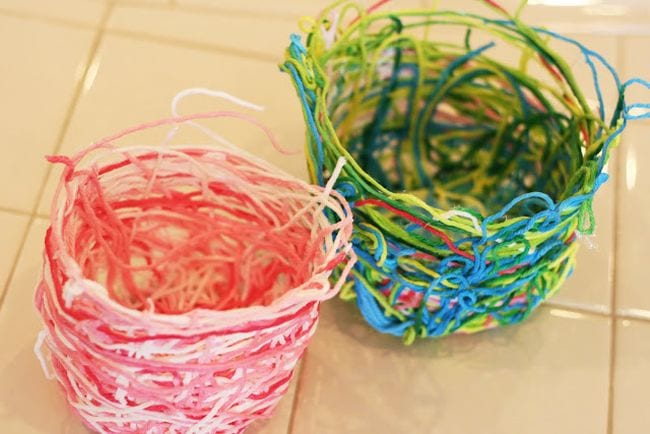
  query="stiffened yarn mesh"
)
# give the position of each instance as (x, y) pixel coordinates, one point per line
(182, 284)
(473, 153)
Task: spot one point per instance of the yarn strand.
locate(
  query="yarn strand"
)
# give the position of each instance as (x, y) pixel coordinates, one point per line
(181, 284)
(469, 175)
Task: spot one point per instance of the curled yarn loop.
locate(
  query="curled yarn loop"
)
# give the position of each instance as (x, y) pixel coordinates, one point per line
(469, 176)
(181, 284)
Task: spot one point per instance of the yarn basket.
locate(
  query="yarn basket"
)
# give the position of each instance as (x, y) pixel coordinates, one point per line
(181, 284)
(470, 173)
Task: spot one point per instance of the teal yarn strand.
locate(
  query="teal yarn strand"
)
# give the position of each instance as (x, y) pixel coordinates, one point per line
(469, 176)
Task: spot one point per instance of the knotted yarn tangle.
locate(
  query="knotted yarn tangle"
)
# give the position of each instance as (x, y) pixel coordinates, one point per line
(182, 284)
(473, 153)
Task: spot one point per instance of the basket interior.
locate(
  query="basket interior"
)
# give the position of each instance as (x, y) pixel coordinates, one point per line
(160, 233)
(458, 123)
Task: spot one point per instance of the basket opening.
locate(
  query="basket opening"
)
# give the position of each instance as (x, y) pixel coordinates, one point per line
(158, 236)
(449, 124)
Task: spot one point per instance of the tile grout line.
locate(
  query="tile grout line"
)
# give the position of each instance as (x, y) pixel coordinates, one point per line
(94, 47)
(5, 286)
(177, 42)
(207, 47)
(212, 10)
(593, 310)
(613, 316)
(59, 141)
(600, 312)
(620, 45)
(14, 211)
(34, 16)
(142, 36)
(295, 17)
(630, 314)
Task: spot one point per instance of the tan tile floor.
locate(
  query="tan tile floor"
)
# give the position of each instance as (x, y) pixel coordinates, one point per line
(73, 71)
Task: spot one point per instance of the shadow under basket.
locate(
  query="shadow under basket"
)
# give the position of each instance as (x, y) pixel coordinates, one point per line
(473, 158)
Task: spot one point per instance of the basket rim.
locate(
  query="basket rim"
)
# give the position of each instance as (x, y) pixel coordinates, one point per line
(316, 80)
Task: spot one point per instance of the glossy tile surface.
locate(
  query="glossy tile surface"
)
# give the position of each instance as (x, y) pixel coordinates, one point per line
(228, 31)
(285, 8)
(581, 364)
(135, 81)
(636, 65)
(632, 378)
(548, 375)
(634, 208)
(37, 87)
(12, 230)
(85, 13)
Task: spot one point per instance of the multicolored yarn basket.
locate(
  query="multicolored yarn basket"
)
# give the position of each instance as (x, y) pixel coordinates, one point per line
(469, 176)
(182, 284)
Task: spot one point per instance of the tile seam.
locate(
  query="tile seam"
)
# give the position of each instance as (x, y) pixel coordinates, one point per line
(92, 52)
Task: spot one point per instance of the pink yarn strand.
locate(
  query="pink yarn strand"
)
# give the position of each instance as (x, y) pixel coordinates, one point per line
(182, 285)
